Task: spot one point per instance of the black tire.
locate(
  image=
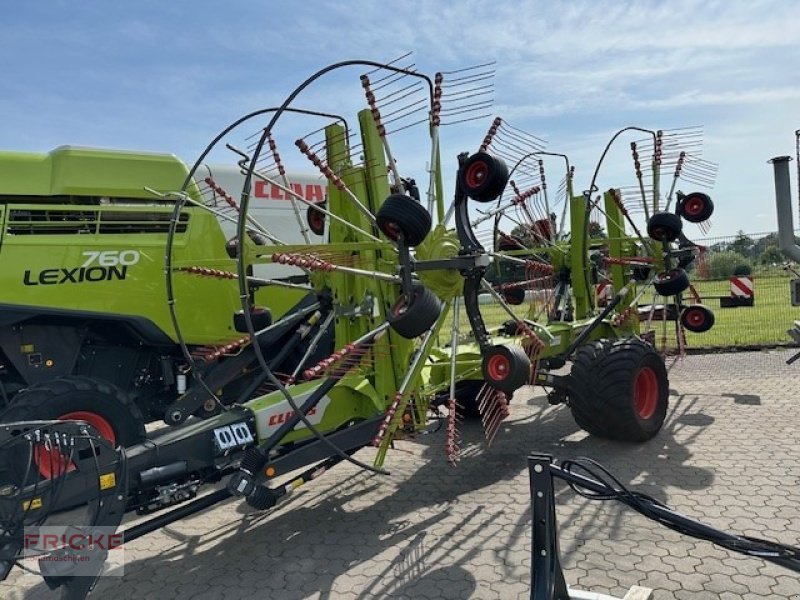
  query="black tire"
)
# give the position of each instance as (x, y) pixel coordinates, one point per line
(316, 219)
(506, 368)
(671, 283)
(261, 317)
(513, 296)
(695, 207)
(697, 318)
(640, 273)
(483, 177)
(619, 390)
(402, 216)
(413, 318)
(664, 227)
(77, 394)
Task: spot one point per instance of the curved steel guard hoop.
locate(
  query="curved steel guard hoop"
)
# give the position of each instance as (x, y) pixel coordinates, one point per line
(474, 274)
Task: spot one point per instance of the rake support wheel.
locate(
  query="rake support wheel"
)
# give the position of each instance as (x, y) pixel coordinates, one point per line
(697, 318)
(664, 227)
(671, 283)
(316, 219)
(402, 216)
(411, 318)
(506, 368)
(695, 207)
(483, 177)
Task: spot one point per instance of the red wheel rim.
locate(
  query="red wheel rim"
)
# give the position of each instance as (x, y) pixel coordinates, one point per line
(645, 393)
(391, 230)
(476, 174)
(400, 307)
(667, 276)
(661, 233)
(52, 463)
(693, 206)
(695, 317)
(497, 367)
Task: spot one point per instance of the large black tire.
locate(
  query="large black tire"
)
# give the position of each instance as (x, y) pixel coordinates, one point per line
(697, 318)
(671, 283)
(506, 368)
(411, 318)
(483, 177)
(402, 216)
(695, 207)
(619, 390)
(664, 227)
(77, 394)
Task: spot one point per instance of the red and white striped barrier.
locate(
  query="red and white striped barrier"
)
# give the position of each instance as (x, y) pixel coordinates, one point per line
(741, 287)
(604, 292)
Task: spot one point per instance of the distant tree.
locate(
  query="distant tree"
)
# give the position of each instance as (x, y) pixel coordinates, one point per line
(596, 230)
(727, 263)
(742, 244)
(771, 255)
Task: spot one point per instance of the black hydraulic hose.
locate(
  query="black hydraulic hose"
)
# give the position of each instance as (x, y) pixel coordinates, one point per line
(602, 485)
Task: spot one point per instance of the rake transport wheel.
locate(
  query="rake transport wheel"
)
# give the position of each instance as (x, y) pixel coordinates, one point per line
(695, 207)
(670, 283)
(664, 227)
(506, 368)
(697, 318)
(411, 318)
(402, 215)
(483, 177)
(103, 406)
(619, 390)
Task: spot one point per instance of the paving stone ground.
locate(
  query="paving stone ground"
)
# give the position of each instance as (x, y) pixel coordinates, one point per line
(728, 455)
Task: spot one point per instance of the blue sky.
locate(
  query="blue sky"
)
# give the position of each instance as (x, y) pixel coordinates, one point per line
(166, 76)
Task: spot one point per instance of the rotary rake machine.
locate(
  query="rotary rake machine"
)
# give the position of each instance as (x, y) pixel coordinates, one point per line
(587, 262)
(375, 350)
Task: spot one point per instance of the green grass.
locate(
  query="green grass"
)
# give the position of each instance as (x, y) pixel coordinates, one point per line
(763, 324)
